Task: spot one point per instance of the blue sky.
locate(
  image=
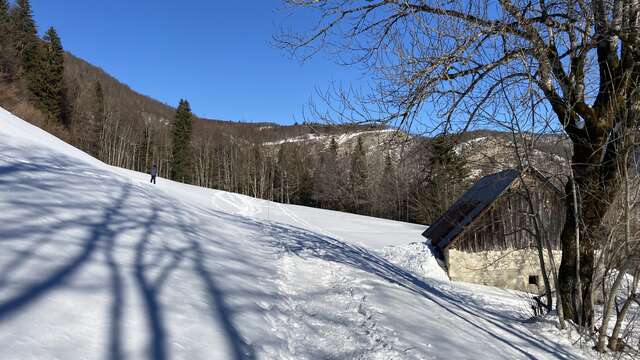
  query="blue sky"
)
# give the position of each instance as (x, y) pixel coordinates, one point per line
(216, 54)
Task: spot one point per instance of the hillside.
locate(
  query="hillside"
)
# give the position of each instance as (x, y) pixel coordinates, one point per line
(489, 152)
(365, 169)
(97, 262)
(134, 108)
(82, 76)
(287, 163)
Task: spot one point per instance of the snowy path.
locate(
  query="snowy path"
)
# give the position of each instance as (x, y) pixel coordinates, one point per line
(95, 263)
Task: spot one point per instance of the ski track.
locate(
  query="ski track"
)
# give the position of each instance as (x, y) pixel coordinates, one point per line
(305, 224)
(334, 287)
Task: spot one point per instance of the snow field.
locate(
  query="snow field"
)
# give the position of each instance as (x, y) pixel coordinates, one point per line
(95, 262)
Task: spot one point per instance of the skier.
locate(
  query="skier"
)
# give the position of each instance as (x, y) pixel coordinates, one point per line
(154, 172)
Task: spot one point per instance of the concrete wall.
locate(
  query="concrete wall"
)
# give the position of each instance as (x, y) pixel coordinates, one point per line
(506, 269)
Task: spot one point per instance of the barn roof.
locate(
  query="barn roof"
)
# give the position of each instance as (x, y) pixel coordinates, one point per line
(467, 208)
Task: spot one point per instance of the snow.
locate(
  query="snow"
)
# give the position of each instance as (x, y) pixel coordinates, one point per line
(302, 138)
(416, 258)
(340, 139)
(460, 148)
(344, 138)
(98, 263)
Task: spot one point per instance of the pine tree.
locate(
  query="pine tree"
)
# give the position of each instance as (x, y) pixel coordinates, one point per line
(358, 178)
(387, 189)
(32, 55)
(25, 35)
(4, 17)
(6, 48)
(182, 127)
(304, 181)
(327, 180)
(52, 96)
(445, 179)
(333, 147)
(99, 118)
(446, 164)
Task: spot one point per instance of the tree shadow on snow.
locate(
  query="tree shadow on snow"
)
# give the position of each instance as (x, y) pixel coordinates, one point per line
(51, 197)
(459, 304)
(37, 289)
(219, 309)
(45, 188)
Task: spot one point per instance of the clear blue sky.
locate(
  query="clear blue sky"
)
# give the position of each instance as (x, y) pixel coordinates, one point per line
(216, 54)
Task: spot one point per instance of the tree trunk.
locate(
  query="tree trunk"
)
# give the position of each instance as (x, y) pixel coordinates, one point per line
(595, 176)
(615, 335)
(569, 281)
(608, 308)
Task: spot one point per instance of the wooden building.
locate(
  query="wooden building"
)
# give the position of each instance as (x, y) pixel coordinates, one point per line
(488, 236)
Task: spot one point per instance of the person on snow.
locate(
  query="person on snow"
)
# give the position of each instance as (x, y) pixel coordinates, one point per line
(154, 172)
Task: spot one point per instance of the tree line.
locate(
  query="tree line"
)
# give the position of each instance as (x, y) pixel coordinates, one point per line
(89, 109)
(40, 62)
(414, 184)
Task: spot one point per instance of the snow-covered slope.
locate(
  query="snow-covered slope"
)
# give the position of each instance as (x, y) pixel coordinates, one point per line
(97, 263)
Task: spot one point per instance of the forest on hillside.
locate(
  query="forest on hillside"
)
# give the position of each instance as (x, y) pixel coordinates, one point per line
(412, 181)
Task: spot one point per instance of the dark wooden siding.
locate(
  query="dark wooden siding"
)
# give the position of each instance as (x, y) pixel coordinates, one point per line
(468, 207)
(508, 223)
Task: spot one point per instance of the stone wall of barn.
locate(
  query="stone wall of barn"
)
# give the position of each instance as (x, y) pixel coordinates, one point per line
(512, 269)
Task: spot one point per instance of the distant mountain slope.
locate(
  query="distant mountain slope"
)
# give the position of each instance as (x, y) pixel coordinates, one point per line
(82, 76)
(265, 160)
(487, 152)
(124, 102)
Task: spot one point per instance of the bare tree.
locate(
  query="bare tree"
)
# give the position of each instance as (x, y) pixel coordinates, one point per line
(619, 256)
(581, 57)
(522, 125)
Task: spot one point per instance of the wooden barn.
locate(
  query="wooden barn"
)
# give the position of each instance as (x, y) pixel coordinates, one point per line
(488, 236)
